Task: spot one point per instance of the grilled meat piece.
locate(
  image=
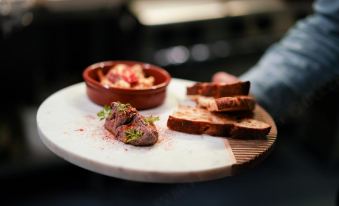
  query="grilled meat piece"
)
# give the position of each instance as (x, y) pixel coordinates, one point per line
(129, 126)
(120, 114)
(138, 132)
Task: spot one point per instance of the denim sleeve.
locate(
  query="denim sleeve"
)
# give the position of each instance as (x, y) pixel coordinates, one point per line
(306, 59)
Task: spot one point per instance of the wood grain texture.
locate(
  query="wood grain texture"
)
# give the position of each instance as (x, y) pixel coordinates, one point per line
(250, 152)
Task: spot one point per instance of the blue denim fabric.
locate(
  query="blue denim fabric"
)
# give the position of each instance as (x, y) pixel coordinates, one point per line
(306, 59)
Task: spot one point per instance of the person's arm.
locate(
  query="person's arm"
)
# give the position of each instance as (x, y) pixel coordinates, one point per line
(306, 59)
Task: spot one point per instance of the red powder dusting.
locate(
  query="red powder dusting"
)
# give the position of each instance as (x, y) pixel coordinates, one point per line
(90, 117)
(163, 135)
(108, 134)
(80, 130)
(165, 138)
(97, 132)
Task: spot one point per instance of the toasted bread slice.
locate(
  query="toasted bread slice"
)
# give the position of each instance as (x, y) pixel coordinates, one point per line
(226, 104)
(200, 121)
(218, 90)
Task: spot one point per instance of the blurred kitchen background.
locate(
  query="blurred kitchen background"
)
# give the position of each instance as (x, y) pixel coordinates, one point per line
(46, 44)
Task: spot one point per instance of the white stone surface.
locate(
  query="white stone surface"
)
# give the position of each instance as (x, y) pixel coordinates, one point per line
(68, 126)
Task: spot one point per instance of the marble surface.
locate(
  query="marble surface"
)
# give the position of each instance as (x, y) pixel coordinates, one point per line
(68, 126)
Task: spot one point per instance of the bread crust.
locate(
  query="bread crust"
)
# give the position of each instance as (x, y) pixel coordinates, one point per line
(218, 90)
(198, 127)
(200, 121)
(239, 103)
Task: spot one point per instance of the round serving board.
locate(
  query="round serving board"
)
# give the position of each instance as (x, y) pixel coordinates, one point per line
(68, 126)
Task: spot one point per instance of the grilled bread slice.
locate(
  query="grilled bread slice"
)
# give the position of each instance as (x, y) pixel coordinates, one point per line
(195, 120)
(218, 90)
(226, 104)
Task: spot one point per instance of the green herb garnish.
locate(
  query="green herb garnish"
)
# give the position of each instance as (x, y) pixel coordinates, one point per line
(133, 134)
(151, 119)
(122, 107)
(105, 112)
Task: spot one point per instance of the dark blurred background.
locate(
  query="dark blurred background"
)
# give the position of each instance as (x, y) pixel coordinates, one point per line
(46, 44)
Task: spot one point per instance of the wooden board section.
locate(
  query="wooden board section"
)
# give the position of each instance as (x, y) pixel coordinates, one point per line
(249, 152)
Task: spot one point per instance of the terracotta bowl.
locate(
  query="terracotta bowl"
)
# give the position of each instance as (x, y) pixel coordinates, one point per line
(139, 98)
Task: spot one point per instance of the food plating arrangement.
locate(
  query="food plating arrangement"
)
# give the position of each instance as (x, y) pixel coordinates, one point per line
(138, 123)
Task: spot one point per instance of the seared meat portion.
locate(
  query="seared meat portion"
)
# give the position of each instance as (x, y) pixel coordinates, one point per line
(129, 126)
(120, 114)
(138, 132)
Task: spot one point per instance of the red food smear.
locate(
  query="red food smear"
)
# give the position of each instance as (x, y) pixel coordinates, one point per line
(80, 130)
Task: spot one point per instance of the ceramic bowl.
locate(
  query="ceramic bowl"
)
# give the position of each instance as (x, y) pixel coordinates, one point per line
(139, 98)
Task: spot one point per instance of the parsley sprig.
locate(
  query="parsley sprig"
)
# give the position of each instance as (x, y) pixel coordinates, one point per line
(105, 112)
(133, 134)
(151, 119)
(122, 107)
